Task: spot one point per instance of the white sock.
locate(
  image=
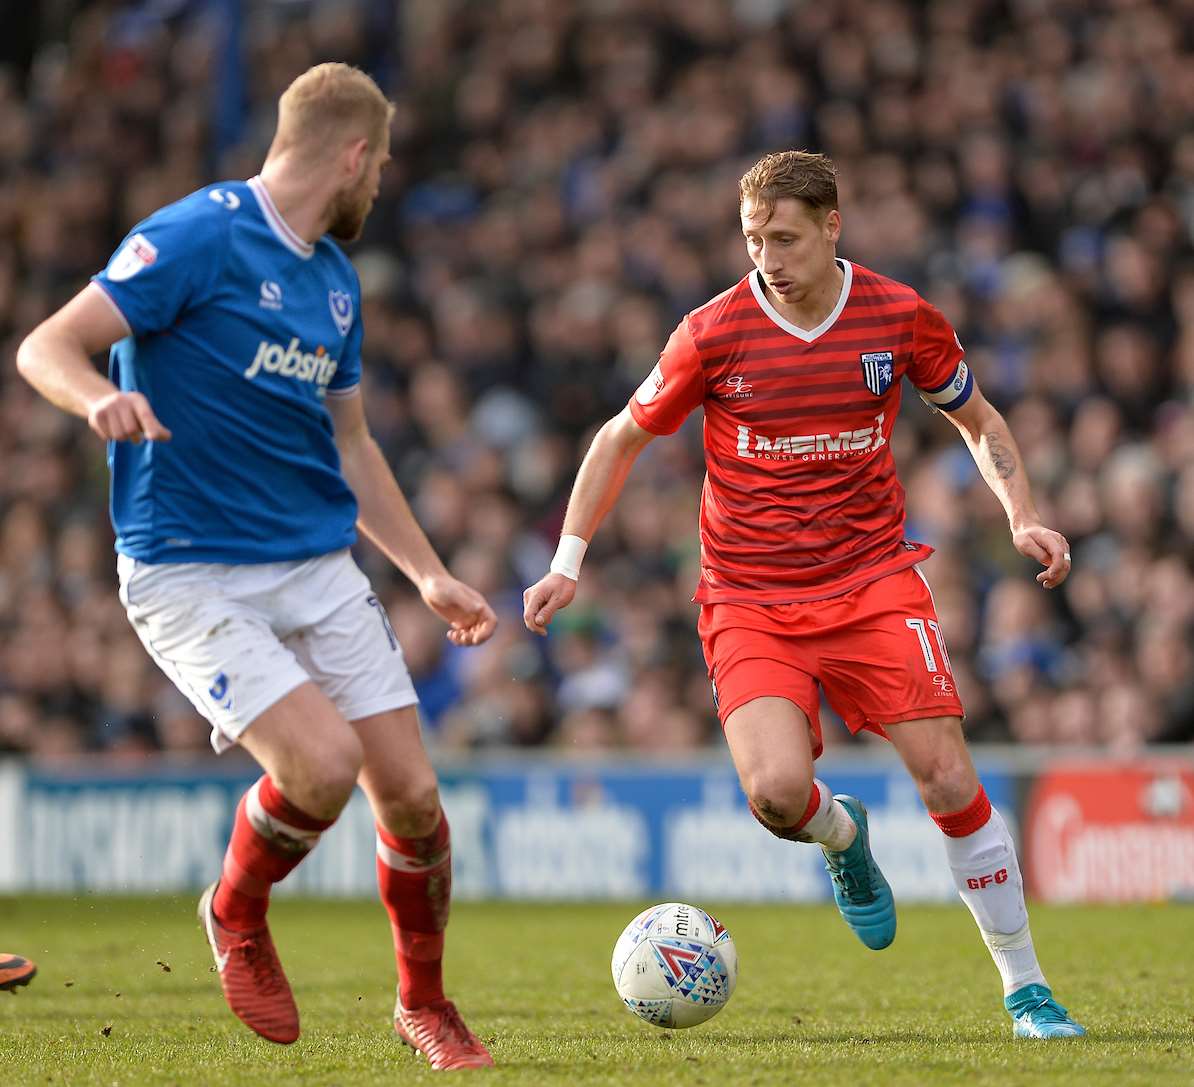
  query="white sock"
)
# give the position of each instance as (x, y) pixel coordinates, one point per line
(831, 826)
(1015, 958)
(988, 879)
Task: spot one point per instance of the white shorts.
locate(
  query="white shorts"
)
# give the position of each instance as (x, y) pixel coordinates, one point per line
(235, 639)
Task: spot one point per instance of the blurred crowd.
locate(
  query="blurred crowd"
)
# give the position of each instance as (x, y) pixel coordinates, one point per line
(563, 191)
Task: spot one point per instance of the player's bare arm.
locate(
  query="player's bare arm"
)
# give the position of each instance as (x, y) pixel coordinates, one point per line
(385, 518)
(55, 358)
(998, 458)
(600, 480)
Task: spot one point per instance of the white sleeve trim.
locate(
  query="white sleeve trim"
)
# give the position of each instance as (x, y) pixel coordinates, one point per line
(112, 302)
(347, 391)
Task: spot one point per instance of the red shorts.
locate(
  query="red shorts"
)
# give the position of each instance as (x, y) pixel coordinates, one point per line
(877, 652)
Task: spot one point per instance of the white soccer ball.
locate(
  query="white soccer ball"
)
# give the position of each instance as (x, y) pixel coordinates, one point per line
(675, 966)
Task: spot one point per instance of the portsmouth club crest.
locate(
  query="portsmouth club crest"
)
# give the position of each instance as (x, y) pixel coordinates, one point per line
(341, 306)
(878, 367)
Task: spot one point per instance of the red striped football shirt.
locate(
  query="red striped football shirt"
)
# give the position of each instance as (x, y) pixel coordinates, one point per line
(801, 499)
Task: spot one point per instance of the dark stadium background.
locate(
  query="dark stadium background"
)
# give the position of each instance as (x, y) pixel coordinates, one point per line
(563, 191)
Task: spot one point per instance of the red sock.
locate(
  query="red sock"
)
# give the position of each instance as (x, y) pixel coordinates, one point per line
(269, 838)
(414, 876)
(794, 833)
(963, 823)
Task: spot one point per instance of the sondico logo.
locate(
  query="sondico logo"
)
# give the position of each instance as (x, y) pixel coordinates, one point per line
(292, 361)
(845, 443)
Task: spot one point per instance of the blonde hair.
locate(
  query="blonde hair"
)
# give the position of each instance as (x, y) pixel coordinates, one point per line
(332, 101)
(798, 175)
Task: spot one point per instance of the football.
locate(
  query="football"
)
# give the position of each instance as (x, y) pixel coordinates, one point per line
(675, 965)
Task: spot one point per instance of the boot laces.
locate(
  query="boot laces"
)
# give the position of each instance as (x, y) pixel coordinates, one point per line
(455, 1026)
(856, 887)
(262, 962)
(1048, 1010)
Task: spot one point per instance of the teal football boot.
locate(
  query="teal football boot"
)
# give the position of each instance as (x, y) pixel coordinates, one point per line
(1035, 1014)
(859, 889)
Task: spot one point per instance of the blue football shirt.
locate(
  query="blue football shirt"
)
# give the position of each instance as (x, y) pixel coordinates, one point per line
(239, 330)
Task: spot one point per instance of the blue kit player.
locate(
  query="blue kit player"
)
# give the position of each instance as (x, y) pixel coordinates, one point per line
(242, 468)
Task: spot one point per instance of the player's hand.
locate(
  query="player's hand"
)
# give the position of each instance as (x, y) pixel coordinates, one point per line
(122, 417)
(1049, 548)
(543, 599)
(471, 619)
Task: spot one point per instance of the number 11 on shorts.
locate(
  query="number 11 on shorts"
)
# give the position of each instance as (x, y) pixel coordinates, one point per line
(922, 635)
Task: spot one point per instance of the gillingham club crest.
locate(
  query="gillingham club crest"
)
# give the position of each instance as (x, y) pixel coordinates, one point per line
(340, 303)
(878, 367)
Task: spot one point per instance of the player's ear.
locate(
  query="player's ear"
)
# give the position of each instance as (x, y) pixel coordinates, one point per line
(356, 155)
(833, 225)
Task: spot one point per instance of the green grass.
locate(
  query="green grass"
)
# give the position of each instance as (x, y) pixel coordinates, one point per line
(812, 1005)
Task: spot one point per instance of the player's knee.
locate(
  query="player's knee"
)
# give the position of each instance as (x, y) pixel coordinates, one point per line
(323, 782)
(410, 809)
(946, 780)
(341, 771)
(779, 798)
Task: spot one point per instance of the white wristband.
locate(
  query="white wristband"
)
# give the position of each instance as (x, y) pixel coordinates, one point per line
(569, 555)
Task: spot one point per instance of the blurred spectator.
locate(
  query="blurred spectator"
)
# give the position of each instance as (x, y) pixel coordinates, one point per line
(563, 192)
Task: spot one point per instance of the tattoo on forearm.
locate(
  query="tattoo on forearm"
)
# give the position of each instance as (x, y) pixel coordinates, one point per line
(1001, 456)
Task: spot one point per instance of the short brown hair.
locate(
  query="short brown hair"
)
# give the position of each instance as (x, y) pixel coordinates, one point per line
(330, 100)
(799, 175)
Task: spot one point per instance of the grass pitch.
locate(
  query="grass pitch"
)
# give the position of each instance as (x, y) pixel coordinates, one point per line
(125, 996)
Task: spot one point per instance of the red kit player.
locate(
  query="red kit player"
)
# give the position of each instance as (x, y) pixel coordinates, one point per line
(806, 578)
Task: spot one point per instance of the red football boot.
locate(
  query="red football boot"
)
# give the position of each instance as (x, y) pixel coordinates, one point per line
(15, 972)
(251, 974)
(438, 1032)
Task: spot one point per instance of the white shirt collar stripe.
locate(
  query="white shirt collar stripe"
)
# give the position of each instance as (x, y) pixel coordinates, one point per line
(277, 224)
(807, 335)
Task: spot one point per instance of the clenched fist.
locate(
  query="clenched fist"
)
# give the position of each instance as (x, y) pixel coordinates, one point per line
(543, 599)
(121, 417)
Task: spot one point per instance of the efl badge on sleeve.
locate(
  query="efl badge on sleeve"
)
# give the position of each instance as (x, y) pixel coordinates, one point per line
(877, 370)
(341, 305)
(138, 252)
(652, 386)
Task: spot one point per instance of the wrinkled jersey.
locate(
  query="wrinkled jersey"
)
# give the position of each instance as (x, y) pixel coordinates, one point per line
(801, 500)
(239, 329)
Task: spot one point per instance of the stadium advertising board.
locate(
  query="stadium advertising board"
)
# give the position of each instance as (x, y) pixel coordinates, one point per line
(542, 830)
(1111, 832)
